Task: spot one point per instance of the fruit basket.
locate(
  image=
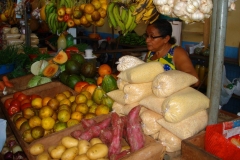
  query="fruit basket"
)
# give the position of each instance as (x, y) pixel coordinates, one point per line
(152, 149)
(48, 89)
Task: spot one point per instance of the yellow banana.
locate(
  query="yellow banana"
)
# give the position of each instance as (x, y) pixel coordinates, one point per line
(139, 16)
(150, 16)
(141, 6)
(154, 18)
(149, 12)
(150, 4)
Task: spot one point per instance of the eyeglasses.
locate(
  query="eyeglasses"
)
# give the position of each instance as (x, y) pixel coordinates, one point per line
(151, 37)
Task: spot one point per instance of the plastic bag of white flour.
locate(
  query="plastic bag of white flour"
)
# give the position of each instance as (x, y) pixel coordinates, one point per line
(172, 142)
(187, 127)
(149, 122)
(169, 82)
(142, 73)
(183, 104)
(153, 103)
(126, 62)
(136, 92)
(121, 83)
(117, 95)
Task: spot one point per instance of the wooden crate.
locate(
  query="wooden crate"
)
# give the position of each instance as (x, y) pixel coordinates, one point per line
(48, 89)
(152, 150)
(193, 148)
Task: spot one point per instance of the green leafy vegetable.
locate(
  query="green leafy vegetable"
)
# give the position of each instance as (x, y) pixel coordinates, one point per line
(34, 81)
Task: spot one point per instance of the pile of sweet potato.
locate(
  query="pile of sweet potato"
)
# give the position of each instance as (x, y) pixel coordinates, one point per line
(112, 130)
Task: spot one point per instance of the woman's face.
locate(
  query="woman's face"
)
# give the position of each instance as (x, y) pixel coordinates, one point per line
(154, 40)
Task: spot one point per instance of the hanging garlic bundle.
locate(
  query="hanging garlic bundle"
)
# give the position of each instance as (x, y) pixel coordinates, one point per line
(187, 10)
(231, 5)
(36, 13)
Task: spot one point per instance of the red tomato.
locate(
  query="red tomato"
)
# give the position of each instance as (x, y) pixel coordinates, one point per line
(22, 97)
(13, 109)
(7, 102)
(15, 102)
(34, 96)
(66, 17)
(25, 105)
(25, 101)
(15, 95)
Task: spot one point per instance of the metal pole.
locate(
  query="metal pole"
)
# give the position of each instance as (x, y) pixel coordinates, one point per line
(218, 61)
(212, 47)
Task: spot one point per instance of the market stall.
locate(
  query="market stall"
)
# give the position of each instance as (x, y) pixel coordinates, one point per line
(71, 103)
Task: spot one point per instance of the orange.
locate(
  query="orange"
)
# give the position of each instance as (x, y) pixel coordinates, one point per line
(72, 122)
(64, 106)
(104, 69)
(48, 123)
(92, 108)
(82, 6)
(45, 111)
(53, 103)
(65, 101)
(64, 115)
(35, 121)
(45, 100)
(90, 88)
(68, 93)
(88, 8)
(102, 109)
(28, 112)
(89, 116)
(83, 108)
(90, 102)
(73, 106)
(87, 94)
(37, 103)
(60, 96)
(99, 80)
(77, 116)
(104, 6)
(80, 98)
(72, 98)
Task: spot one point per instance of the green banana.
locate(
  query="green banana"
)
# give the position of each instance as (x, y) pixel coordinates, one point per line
(65, 27)
(110, 14)
(118, 18)
(130, 19)
(123, 14)
(132, 26)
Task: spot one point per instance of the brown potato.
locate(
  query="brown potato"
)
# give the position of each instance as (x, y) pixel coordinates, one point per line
(70, 153)
(83, 146)
(69, 142)
(97, 151)
(43, 156)
(36, 149)
(57, 152)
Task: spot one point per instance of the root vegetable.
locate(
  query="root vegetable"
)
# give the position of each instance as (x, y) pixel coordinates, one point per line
(106, 136)
(69, 142)
(70, 153)
(56, 153)
(36, 149)
(86, 123)
(97, 151)
(117, 128)
(83, 146)
(95, 141)
(134, 130)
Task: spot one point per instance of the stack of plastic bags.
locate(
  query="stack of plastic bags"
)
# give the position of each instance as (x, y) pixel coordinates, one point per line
(171, 109)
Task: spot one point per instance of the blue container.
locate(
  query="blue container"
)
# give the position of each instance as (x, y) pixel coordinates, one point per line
(6, 68)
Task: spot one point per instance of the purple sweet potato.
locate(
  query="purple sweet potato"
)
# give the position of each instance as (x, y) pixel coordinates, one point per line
(86, 123)
(95, 130)
(134, 130)
(76, 134)
(106, 136)
(117, 128)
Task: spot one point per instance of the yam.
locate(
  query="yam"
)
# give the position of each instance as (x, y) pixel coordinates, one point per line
(149, 122)
(169, 140)
(153, 103)
(183, 104)
(187, 127)
(136, 92)
(6, 30)
(169, 82)
(14, 41)
(8, 36)
(142, 73)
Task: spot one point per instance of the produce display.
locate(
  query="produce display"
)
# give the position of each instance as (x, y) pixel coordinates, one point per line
(112, 138)
(132, 39)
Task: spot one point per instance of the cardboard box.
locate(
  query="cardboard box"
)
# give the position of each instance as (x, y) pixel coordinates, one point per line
(194, 147)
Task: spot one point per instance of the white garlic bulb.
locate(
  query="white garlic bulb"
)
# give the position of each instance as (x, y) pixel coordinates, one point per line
(159, 2)
(197, 16)
(166, 10)
(206, 7)
(179, 8)
(190, 8)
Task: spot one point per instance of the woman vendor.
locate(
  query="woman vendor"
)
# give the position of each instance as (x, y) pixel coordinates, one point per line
(162, 48)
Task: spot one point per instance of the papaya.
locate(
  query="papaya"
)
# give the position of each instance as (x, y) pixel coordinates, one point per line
(106, 100)
(51, 70)
(98, 94)
(88, 69)
(109, 83)
(61, 57)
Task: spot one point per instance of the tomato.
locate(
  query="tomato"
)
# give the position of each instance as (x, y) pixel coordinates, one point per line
(13, 109)
(15, 102)
(25, 101)
(15, 95)
(66, 17)
(22, 97)
(7, 102)
(33, 96)
(25, 105)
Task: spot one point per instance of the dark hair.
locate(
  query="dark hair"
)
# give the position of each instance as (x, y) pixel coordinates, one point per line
(165, 29)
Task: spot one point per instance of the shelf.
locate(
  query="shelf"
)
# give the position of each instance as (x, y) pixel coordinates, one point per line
(193, 32)
(226, 60)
